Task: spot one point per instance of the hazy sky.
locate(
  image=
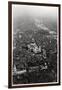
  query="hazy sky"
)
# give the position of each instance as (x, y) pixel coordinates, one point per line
(30, 10)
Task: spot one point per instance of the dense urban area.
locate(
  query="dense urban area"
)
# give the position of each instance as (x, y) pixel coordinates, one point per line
(34, 54)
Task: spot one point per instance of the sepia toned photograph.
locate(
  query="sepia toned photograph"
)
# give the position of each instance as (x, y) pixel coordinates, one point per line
(34, 44)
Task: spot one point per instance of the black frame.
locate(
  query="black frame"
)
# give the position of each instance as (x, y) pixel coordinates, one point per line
(10, 41)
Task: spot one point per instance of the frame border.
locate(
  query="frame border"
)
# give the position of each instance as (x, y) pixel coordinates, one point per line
(10, 41)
